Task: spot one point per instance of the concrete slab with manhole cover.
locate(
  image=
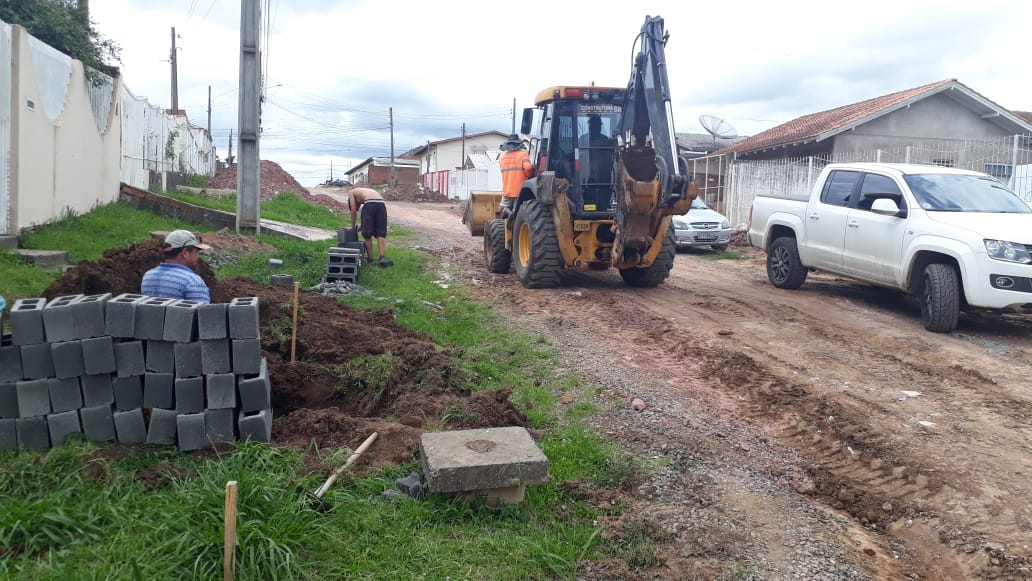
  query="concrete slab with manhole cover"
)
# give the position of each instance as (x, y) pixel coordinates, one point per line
(493, 464)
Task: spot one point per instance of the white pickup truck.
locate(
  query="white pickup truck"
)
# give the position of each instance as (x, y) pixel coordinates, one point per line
(953, 238)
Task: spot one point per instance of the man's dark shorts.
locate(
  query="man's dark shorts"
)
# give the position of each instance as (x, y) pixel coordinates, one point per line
(374, 220)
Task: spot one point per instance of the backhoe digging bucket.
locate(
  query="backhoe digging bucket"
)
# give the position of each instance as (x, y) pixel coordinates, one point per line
(482, 207)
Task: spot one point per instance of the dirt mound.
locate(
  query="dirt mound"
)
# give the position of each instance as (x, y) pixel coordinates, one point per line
(274, 179)
(413, 193)
(354, 371)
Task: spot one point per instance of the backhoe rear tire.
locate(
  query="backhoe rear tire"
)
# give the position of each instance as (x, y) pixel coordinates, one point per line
(496, 255)
(535, 249)
(660, 269)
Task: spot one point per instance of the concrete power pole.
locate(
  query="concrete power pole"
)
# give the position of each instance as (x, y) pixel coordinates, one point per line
(175, 75)
(209, 111)
(248, 172)
(393, 180)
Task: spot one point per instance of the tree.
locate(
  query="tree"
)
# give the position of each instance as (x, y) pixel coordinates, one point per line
(66, 27)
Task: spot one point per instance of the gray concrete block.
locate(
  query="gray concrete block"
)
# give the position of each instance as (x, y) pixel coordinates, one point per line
(129, 358)
(481, 460)
(98, 423)
(284, 279)
(159, 390)
(89, 315)
(189, 395)
(37, 361)
(220, 425)
(68, 361)
(27, 321)
(247, 356)
(10, 363)
(33, 433)
(212, 322)
(150, 318)
(128, 392)
(65, 394)
(222, 388)
(188, 359)
(8, 434)
(63, 425)
(33, 397)
(9, 400)
(120, 315)
(162, 428)
(255, 392)
(98, 355)
(59, 318)
(161, 356)
(192, 434)
(215, 356)
(181, 321)
(412, 485)
(243, 318)
(130, 427)
(97, 390)
(255, 426)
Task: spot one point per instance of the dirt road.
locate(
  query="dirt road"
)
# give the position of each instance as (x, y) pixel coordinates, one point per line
(812, 434)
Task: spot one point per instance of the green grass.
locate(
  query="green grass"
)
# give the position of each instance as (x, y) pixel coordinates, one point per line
(285, 207)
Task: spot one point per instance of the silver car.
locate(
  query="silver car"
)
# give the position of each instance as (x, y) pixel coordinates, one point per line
(702, 226)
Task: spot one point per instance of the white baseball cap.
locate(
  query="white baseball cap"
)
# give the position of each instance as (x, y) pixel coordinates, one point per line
(182, 239)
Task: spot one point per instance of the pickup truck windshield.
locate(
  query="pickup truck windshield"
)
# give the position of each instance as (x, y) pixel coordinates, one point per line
(964, 193)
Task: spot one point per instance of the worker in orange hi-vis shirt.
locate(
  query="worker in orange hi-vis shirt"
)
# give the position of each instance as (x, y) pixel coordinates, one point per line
(516, 168)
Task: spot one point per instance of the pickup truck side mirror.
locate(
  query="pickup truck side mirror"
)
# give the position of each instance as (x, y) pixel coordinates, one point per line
(887, 207)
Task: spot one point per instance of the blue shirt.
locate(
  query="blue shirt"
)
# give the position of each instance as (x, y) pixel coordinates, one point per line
(174, 281)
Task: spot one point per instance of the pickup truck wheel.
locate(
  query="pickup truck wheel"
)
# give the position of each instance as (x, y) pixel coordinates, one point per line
(940, 298)
(784, 270)
(496, 255)
(535, 249)
(719, 247)
(660, 269)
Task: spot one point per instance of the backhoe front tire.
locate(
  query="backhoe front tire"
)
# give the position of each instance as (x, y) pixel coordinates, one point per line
(535, 249)
(784, 270)
(660, 269)
(940, 298)
(496, 255)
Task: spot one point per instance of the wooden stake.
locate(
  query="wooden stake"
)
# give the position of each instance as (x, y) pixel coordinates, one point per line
(293, 332)
(230, 518)
(351, 459)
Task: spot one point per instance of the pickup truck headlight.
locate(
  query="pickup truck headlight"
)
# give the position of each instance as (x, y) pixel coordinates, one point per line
(1007, 251)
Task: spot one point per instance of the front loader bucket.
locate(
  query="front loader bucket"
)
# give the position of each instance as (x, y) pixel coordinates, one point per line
(482, 207)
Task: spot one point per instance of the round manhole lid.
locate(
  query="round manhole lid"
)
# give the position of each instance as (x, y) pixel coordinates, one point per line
(481, 446)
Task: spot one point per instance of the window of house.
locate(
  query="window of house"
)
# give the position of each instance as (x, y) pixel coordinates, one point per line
(943, 162)
(999, 170)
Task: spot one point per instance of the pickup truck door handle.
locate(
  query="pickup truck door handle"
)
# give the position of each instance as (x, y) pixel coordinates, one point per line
(853, 224)
(814, 216)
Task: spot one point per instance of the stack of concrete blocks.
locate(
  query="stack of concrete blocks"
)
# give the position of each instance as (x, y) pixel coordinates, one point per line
(343, 264)
(133, 369)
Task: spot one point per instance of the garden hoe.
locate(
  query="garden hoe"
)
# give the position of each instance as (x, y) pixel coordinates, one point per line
(317, 496)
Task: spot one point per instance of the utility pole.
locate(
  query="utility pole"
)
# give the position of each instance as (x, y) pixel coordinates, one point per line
(393, 180)
(249, 122)
(229, 157)
(209, 111)
(462, 162)
(175, 79)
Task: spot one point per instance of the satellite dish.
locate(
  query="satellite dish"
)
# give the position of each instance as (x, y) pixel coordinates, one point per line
(717, 127)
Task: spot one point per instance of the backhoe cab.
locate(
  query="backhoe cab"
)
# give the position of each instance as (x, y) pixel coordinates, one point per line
(607, 181)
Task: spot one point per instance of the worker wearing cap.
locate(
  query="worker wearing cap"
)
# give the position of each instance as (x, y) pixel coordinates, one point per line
(516, 168)
(175, 278)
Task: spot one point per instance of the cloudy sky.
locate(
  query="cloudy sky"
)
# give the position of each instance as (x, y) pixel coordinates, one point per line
(334, 68)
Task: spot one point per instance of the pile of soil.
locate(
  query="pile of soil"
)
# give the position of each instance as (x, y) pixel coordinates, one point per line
(274, 179)
(354, 372)
(413, 193)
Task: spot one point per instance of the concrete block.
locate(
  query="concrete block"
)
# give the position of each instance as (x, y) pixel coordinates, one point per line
(89, 316)
(98, 423)
(212, 322)
(68, 361)
(9, 400)
(161, 356)
(215, 356)
(10, 363)
(129, 359)
(59, 318)
(150, 318)
(181, 321)
(162, 428)
(255, 392)
(342, 271)
(188, 359)
(192, 435)
(130, 427)
(63, 425)
(37, 361)
(159, 390)
(33, 397)
(255, 426)
(220, 425)
(342, 260)
(97, 390)
(345, 250)
(98, 355)
(284, 279)
(332, 278)
(128, 392)
(275, 263)
(189, 395)
(481, 461)
(120, 315)
(412, 485)
(33, 433)
(8, 434)
(243, 318)
(247, 356)
(65, 394)
(222, 389)
(27, 321)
